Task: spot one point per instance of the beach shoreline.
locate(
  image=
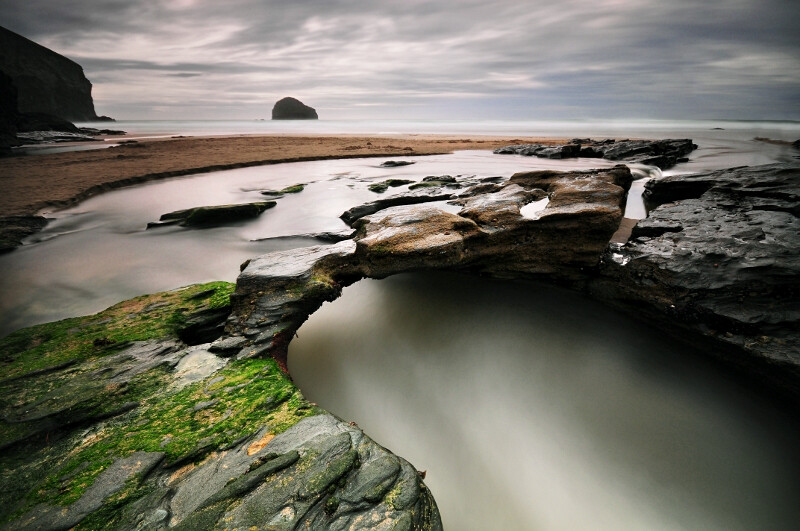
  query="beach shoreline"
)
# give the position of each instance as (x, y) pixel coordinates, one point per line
(37, 183)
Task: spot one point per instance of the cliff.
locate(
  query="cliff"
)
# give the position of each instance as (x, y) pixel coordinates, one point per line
(46, 82)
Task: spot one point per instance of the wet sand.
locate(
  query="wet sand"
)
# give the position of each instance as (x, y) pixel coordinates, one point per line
(34, 183)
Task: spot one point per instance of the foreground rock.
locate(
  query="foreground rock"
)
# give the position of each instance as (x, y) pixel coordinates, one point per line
(661, 153)
(113, 421)
(213, 216)
(718, 258)
(293, 109)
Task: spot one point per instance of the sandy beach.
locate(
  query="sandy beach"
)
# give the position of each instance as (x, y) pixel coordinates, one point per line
(36, 182)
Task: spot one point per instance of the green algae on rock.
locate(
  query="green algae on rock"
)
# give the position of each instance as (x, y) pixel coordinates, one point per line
(100, 429)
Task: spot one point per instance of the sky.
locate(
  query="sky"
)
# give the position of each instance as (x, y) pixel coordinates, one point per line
(420, 59)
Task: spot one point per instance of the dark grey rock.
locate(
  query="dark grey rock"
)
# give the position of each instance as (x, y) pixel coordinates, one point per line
(13, 229)
(423, 196)
(213, 216)
(293, 109)
(661, 153)
(718, 257)
(53, 518)
(320, 474)
(396, 163)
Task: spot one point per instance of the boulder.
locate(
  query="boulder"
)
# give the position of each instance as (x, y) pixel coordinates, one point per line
(213, 216)
(293, 109)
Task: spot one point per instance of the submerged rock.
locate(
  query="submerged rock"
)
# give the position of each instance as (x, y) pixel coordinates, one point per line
(213, 216)
(13, 229)
(396, 163)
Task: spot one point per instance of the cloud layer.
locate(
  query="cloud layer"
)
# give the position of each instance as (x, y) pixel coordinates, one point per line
(428, 59)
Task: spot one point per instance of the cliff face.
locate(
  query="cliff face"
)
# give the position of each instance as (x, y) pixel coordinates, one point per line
(46, 82)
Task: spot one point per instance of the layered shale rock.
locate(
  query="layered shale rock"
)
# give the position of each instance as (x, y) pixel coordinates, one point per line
(113, 421)
(661, 153)
(718, 258)
(493, 233)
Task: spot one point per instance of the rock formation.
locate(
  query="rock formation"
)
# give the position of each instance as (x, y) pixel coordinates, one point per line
(8, 114)
(718, 258)
(127, 426)
(491, 235)
(46, 82)
(662, 153)
(293, 109)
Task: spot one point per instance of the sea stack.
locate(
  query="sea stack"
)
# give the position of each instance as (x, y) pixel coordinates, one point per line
(293, 109)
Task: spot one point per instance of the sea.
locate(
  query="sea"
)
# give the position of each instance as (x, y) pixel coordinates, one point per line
(530, 407)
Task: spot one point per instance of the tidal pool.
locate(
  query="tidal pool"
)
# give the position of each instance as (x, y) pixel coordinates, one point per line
(531, 407)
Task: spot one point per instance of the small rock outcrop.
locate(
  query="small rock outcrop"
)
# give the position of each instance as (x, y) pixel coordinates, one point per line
(46, 82)
(293, 109)
(213, 216)
(661, 153)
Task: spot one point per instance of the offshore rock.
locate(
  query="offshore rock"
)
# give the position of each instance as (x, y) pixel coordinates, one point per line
(718, 257)
(661, 153)
(293, 109)
(46, 81)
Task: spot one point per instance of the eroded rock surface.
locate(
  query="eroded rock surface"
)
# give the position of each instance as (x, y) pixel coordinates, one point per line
(719, 256)
(101, 431)
(277, 292)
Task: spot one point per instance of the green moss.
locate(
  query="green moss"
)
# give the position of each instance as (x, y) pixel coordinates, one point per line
(382, 186)
(244, 396)
(297, 188)
(77, 339)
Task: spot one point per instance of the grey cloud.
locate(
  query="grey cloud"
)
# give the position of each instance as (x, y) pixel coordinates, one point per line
(655, 58)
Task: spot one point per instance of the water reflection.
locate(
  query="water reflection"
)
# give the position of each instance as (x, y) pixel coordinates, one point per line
(532, 408)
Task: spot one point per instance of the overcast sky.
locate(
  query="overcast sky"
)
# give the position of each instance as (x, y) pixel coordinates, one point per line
(489, 59)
